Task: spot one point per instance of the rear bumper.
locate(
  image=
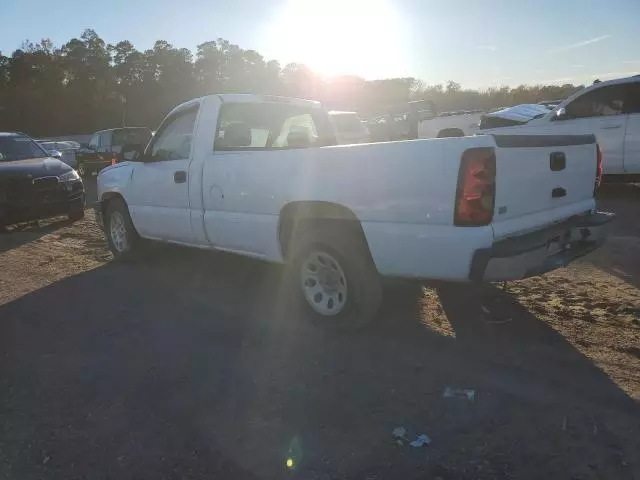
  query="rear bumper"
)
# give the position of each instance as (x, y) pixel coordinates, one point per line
(541, 251)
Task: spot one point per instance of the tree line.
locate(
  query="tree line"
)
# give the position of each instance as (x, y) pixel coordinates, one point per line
(87, 85)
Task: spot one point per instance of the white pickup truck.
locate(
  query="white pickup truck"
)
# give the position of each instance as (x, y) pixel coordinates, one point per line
(610, 110)
(260, 176)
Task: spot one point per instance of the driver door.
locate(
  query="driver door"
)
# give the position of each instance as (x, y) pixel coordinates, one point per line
(159, 189)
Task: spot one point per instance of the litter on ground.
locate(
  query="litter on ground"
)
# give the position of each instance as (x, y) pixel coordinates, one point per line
(463, 393)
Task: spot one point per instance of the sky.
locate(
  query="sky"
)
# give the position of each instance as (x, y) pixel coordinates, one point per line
(477, 43)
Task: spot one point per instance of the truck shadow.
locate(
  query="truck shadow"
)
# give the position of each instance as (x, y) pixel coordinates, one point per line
(193, 364)
(21, 234)
(621, 255)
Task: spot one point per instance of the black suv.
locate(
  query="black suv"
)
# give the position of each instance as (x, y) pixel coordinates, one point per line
(105, 147)
(34, 185)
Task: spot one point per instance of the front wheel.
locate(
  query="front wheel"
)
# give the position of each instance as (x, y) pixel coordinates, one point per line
(336, 281)
(76, 214)
(122, 237)
(76, 210)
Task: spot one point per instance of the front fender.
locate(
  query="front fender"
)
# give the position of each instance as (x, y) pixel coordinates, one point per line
(115, 179)
(112, 181)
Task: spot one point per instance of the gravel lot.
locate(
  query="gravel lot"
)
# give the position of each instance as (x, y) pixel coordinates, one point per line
(188, 365)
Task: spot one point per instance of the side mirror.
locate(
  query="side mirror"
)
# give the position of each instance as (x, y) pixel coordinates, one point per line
(55, 154)
(560, 114)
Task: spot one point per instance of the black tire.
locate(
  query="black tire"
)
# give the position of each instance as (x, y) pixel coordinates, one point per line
(363, 282)
(115, 207)
(76, 211)
(76, 215)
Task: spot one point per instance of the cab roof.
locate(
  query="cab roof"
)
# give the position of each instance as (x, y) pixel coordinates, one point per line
(247, 98)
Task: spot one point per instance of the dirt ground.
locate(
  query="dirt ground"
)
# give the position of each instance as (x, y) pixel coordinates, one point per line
(186, 365)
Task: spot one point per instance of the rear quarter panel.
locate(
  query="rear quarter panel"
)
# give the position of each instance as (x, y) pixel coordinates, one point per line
(115, 179)
(397, 182)
(403, 193)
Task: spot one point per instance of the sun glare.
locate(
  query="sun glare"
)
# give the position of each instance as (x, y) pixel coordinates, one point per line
(360, 37)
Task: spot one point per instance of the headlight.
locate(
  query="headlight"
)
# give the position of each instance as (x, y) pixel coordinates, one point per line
(69, 176)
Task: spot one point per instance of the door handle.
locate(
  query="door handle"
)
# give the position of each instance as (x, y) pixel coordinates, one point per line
(611, 127)
(558, 192)
(557, 161)
(180, 176)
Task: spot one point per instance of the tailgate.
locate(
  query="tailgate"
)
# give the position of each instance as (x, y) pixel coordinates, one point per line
(542, 179)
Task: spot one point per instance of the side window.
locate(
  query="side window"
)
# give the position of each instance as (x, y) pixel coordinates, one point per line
(105, 139)
(264, 126)
(93, 143)
(173, 139)
(632, 104)
(602, 102)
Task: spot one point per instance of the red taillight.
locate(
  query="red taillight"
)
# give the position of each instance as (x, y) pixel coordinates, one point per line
(598, 169)
(475, 197)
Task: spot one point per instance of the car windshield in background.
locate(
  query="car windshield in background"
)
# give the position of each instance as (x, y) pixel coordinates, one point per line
(129, 136)
(19, 148)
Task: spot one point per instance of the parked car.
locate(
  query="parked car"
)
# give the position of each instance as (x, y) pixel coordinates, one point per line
(480, 208)
(450, 124)
(512, 116)
(610, 110)
(105, 147)
(34, 185)
(349, 128)
(64, 151)
(550, 104)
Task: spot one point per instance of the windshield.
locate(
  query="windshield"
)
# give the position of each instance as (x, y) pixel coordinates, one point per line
(19, 148)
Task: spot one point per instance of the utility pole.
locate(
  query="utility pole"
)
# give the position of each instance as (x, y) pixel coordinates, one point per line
(123, 103)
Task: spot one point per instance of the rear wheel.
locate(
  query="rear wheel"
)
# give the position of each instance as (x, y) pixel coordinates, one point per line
(336, 283)
(122, 237)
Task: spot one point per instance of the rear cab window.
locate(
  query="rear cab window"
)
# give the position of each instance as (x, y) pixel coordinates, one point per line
(271, 126)
(347, 122)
